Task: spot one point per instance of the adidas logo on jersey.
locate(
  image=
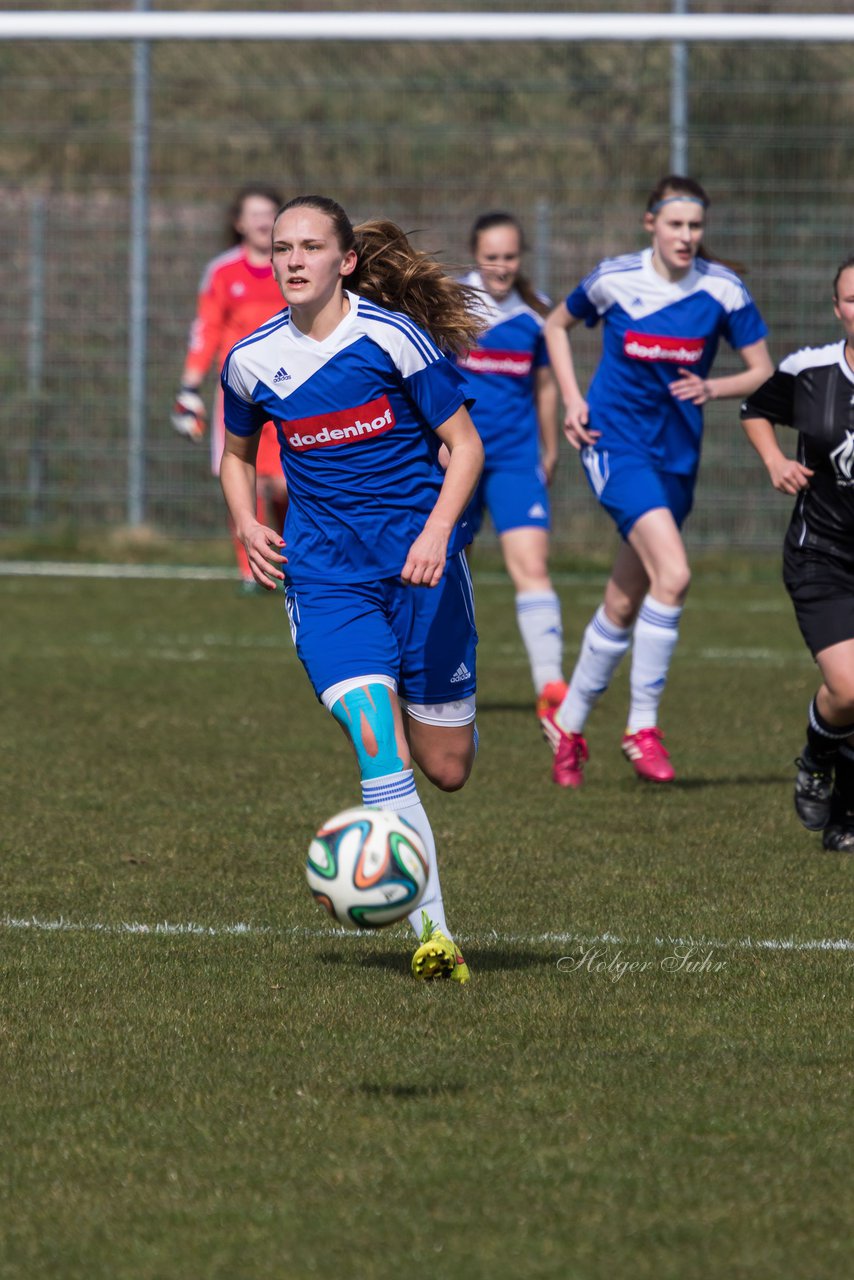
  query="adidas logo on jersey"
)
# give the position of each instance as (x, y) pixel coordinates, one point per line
(462, 673)
(282, 375)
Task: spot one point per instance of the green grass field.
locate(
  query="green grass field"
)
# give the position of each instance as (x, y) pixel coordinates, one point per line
(650, 1074)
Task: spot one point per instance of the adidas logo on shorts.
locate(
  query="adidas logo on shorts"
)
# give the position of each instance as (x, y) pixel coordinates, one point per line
(462, 673)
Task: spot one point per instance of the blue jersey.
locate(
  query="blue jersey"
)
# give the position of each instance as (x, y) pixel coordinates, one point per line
(356, 417)
(501, 374)
(652, 329)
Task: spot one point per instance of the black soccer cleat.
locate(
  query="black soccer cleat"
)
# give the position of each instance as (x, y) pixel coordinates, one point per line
(839, 833)
(839, 836)
(813, 788)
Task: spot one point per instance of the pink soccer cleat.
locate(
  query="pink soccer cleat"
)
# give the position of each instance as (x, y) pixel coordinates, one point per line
(648, 755)
(548, 700)
(551, 696)
(570, 752)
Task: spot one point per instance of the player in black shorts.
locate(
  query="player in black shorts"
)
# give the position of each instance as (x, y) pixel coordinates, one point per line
(813, 391)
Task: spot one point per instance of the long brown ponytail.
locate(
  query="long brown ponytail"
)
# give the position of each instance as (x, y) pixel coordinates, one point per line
(393, 273)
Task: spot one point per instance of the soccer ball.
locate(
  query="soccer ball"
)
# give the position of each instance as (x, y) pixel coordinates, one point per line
(367, 867)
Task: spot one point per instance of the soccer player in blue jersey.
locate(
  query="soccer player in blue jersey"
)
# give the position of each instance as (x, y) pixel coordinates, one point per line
(663, 312)
(812, 391)
(378, 593)
(516, 413)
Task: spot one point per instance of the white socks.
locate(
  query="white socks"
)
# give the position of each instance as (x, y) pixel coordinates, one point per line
(602, 647)
(656, 634)
(397, 791)
(538, 616)
(653, 641)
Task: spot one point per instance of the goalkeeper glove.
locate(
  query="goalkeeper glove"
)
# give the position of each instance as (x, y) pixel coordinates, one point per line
(188, 414)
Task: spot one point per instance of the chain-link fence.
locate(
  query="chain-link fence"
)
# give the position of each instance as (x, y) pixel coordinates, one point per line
(568, 136)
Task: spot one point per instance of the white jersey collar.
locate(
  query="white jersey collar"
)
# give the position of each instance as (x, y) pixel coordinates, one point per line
(493, 310)
(340, 333)
(686, 285)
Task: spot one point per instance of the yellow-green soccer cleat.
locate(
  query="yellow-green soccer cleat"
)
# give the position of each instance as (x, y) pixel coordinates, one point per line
(438, 956)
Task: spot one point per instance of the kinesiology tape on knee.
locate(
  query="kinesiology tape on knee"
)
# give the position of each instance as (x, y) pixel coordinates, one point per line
(366, 714)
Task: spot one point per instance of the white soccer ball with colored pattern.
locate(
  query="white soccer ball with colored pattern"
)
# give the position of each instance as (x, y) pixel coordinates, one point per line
(367, 867)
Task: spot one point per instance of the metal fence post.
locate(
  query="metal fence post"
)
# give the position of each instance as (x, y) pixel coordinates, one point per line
(542, 245)
(138, 278)
(679, 99)
(35, 362)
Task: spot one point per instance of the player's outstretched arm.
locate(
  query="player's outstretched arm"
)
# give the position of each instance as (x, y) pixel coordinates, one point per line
(577, 416)
(188, 412)
(237, 477)
(425, 562)
(757, 369)
(546, 393)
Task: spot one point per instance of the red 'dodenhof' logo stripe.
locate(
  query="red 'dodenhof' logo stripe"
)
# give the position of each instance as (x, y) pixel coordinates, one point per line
(343, 426)
(650, 346)
(480, 360)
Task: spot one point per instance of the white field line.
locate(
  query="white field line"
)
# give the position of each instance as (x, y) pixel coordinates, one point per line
(69, 569)
(194, 573)
(169, 929)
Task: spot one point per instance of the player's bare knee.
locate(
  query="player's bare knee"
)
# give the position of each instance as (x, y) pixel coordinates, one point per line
(449, 772)
(453, 777)
(840, 691)
(622, 614)
(671, 584)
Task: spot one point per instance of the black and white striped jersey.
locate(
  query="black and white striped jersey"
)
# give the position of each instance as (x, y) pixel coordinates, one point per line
(812, 390)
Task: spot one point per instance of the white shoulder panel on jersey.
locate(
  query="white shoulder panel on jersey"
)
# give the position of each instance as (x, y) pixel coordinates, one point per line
(723, 284)
(614, 280)
(410, 348)
(258, 358)
(811, 358)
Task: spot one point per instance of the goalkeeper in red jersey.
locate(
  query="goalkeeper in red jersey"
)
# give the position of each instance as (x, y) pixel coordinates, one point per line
(237, 294)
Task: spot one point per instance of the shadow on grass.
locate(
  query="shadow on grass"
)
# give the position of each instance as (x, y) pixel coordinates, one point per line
(504, 961)
(434, 1090)
(740, 780)
(368, 959)
(479, 959)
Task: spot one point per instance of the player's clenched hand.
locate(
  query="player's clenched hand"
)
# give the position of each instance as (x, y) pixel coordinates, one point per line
(425, 562)
(264, 553)
(575, 425)
(188, 414)
(789, 476)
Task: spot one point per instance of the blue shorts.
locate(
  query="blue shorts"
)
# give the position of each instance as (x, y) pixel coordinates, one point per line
(628, 485)
(424, 638)
(515, 499)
